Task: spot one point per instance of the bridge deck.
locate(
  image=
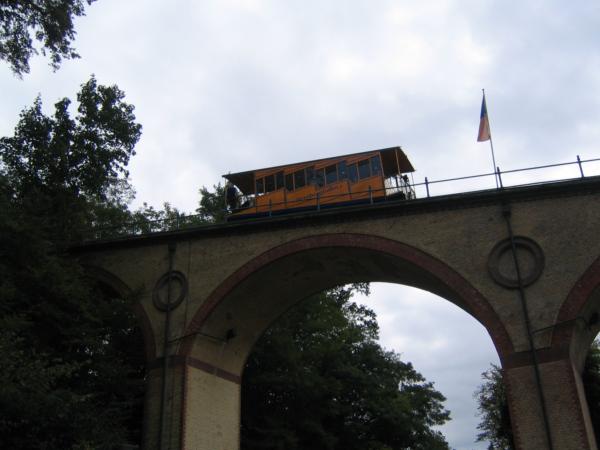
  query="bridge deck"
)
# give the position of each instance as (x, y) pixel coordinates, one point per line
(356, 212)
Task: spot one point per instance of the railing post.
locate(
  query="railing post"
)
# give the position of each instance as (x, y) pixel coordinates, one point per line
(499, 177)
(580, 167)
(427, 186)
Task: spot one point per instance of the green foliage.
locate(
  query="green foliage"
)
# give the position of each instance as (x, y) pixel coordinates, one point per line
(318, 379)
(591, 383)
(71, 354)
(212, 205)
(69, 173)
(495, 422)
(147, 219)
(86, 155)
(50, 23)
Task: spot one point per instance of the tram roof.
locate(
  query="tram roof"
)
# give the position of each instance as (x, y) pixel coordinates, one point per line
(245, 180)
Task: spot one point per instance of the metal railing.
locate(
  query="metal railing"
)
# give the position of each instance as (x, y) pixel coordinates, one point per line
(320, 202)
(501, 176)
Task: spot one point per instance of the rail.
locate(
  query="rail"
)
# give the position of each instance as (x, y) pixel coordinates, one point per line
(319, 202)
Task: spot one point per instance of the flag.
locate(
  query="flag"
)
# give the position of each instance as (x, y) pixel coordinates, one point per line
(484, 124)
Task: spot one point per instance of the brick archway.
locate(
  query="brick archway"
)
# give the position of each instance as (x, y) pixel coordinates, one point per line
(124, 291)
(575, 327)
(472, 300)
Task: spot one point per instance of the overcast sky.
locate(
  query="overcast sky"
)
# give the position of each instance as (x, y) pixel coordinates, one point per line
(232, 85)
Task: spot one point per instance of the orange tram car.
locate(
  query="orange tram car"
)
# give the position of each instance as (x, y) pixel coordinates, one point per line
(365, 177)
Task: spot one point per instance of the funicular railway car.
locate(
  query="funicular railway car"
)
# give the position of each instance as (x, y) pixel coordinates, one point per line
(365, 177)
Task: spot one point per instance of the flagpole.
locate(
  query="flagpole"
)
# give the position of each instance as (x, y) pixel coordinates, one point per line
(491, 142)
(494, 162)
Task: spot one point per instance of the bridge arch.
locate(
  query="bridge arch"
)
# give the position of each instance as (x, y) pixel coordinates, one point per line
(107, 278)
(288, 273)
(578, 321)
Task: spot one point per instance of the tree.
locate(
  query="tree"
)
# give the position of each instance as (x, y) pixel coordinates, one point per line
(591, 383)
(495, 422)
(317, 379)
(50, 23)
(147, 219)
(71, 172)
(71, 354)
(212, 205)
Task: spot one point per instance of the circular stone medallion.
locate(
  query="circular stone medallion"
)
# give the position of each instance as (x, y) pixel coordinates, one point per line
(178, 286)
(501, 263)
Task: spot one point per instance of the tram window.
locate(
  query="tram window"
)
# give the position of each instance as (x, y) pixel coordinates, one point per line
(352, 173)
(299, 179)
(375, 165)
(269, 183)
(310, 175)
(279, 180)
(289, 181)
(364, 171)
(260, 186)
(331, 174)
(319, 177)
(342, 173)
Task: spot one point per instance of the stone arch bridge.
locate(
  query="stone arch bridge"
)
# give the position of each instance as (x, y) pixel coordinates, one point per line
(524, 262)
